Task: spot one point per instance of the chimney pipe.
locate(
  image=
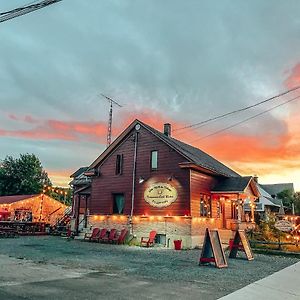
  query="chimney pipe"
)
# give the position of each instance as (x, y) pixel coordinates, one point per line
(167, 129)
(255, 177)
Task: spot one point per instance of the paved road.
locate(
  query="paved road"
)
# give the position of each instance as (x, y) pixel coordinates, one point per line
(21, 279)
(52, 268)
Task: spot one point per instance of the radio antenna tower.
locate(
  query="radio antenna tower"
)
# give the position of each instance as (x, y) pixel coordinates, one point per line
(111, 101)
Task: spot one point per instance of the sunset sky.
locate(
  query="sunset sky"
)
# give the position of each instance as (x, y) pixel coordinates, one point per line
(165, 61)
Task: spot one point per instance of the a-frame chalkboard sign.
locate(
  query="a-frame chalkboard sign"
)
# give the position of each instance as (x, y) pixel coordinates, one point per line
(212, 250)
(240, 242)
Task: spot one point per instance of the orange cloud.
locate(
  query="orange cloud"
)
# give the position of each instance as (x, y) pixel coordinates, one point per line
(57, 130)
(60, 177)
(293, 79)
(265, 152)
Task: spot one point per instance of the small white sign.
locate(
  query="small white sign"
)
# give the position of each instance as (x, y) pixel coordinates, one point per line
(284, 225)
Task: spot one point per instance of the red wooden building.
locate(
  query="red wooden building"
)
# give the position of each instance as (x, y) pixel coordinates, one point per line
(148, 180)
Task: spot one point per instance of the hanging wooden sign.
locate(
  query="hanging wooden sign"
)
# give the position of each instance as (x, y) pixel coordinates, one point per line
(212, 250)
(240, 242)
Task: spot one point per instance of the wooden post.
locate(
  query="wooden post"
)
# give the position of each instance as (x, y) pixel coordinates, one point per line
(252, 211)
(85, 212)
(77, 216)
(239, 211)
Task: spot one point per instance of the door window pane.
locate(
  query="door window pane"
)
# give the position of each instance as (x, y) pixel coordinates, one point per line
(205, 206)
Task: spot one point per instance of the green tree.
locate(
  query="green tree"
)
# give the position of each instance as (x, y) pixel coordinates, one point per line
(60, 194)
(22, 176)
(297, 203)
(289, 198)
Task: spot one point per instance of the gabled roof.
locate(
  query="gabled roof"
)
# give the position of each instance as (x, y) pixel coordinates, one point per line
(80, 181)
(265, 198)
(274, 189)
(232, 185)
(15, 198)
(195, 155)
(190, 153)
(78, 172)
(276, 201)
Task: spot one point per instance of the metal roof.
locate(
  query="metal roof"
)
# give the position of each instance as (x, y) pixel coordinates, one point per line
(233, 184)
(274, 189)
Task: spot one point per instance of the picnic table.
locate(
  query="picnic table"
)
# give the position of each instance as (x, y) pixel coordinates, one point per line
(7, 232)
(21, 228)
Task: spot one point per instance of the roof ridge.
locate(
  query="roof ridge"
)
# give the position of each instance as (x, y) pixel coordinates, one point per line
(178, 142)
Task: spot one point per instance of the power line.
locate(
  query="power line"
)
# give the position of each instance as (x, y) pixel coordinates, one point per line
(236, 111)
(245, 120)
(10, 14)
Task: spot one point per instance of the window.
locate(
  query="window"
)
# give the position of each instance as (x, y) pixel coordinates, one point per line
(161, 239)
(205, 206)
(154, 159)
(118, 205)
(119, 164)
(234, 210)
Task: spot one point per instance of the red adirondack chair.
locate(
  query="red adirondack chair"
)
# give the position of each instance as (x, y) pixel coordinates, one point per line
(92, 236)
(121, 238)
(148, 241)
(102, 234)
(112, 234)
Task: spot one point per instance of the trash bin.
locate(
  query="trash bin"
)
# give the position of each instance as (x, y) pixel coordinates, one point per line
(230, 244)
(177, 244)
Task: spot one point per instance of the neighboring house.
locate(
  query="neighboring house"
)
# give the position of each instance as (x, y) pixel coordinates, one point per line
(147, 180)
(275, 189)
(265, 204)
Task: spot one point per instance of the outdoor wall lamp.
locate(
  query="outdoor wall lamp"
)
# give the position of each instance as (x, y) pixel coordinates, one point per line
(141, 179)
(171, 177)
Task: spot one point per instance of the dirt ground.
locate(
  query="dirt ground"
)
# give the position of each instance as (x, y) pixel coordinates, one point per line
(54, 268)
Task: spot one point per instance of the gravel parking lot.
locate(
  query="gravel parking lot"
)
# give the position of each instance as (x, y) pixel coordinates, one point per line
(61, 269)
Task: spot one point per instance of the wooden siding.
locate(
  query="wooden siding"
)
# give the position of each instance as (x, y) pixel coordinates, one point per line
(107, 184)
(201, 184)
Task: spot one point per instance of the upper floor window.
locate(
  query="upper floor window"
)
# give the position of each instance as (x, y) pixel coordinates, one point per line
(205, 206)
(119, 164)
(154, 159)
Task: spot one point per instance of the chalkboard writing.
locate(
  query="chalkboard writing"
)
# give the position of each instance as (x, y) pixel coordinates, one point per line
(240, 242)
(212, 250)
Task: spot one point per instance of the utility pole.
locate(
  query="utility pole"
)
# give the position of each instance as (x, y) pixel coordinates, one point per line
(109, 127)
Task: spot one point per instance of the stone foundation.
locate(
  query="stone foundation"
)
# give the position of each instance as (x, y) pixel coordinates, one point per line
(190, 230)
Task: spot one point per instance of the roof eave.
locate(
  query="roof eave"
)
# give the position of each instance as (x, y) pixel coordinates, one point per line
(113, 145)
(227, 192)
(191, 165)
